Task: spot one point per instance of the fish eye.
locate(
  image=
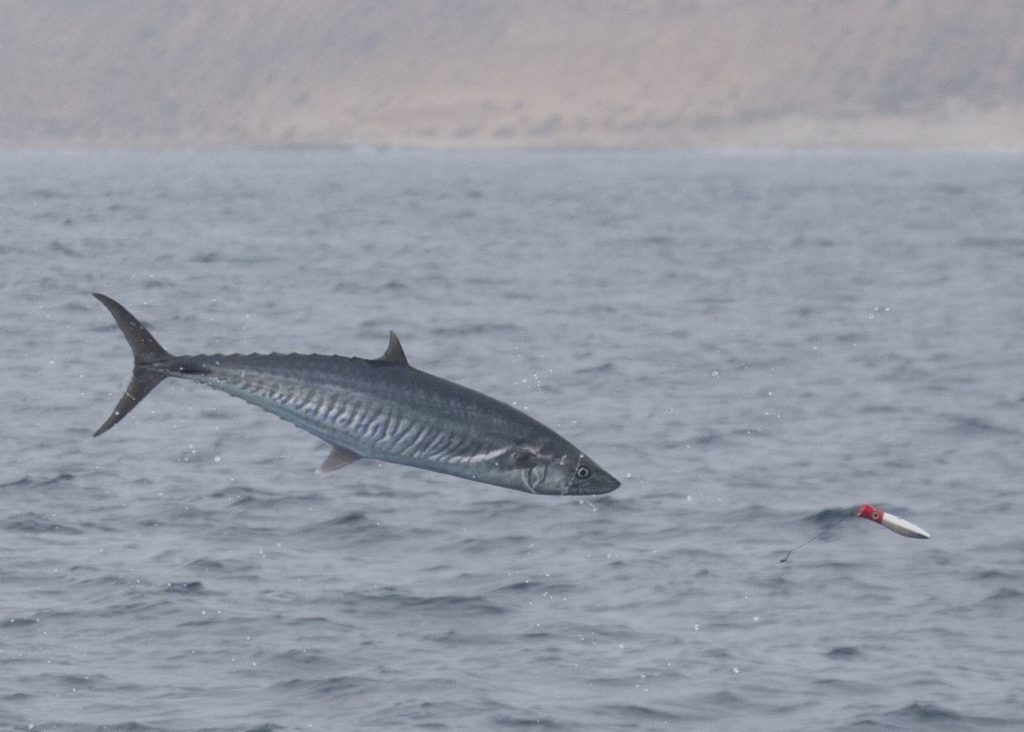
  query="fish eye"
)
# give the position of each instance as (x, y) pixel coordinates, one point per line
(583, 472)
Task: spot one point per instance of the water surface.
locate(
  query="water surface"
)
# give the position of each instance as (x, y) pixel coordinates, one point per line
(754, 344)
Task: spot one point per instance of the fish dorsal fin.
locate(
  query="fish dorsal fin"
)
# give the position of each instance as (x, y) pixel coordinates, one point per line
(395, 353)
(339, 458)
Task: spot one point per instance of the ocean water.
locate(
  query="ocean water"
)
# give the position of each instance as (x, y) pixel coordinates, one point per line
(754, 344)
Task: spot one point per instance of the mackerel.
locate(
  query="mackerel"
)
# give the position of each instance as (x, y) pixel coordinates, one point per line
(380, 409)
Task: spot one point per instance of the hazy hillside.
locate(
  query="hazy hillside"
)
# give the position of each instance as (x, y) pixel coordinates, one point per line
(512, 73)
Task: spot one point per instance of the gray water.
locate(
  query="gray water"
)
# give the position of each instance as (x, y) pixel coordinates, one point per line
(754, 344)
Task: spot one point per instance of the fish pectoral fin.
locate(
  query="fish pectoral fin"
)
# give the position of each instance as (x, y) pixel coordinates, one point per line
(338, 458)
(524, 460)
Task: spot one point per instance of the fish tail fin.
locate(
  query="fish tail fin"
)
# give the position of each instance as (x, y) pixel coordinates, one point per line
(145, 350)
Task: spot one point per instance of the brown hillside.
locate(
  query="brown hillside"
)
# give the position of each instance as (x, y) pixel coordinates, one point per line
(512, 73)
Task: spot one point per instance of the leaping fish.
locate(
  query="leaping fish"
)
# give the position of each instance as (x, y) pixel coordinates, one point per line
(381, 409)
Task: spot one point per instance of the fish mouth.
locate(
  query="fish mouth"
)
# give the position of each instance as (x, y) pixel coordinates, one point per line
(596, 486)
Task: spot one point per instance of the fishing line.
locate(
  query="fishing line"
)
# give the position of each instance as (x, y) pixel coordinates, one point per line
(819, 534)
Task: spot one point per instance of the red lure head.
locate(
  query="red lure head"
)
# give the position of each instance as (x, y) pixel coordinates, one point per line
(871, 513)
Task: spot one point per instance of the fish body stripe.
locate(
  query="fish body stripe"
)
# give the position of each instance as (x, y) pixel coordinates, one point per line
(359, 420)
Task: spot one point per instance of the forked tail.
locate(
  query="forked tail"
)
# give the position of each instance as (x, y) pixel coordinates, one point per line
(146, 351)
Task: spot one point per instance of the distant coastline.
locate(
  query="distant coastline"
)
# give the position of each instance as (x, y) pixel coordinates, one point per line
(919, 74)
